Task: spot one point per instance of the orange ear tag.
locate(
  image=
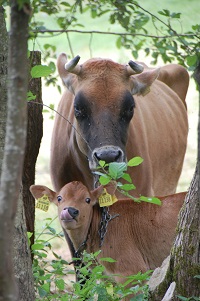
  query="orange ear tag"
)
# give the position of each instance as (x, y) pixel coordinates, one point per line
(107, 199)
(43, 203)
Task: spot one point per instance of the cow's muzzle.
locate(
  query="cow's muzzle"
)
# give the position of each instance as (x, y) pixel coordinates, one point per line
(106, 153)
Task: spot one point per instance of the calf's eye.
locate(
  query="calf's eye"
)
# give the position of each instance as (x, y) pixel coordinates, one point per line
(59, 198)
(87, 200)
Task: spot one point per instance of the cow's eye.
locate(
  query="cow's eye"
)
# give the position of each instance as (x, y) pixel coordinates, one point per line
(87, 200)
(59, 198)
(79, 112)
(131, 108)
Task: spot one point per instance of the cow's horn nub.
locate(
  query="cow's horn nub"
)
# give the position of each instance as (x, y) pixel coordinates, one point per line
(134, 68)
(73, 66)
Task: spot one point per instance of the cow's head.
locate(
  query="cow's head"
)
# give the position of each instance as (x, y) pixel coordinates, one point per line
(75, 205)
(104, 104)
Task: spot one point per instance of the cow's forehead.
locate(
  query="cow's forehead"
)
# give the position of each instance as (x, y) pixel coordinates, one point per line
(74, 191)
(103, 81)
(103, 67)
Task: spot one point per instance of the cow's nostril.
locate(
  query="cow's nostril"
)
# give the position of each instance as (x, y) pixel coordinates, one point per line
(73, 212)
(109, 155)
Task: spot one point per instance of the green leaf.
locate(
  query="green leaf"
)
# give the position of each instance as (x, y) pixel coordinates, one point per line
(175, 15)
(191, 60)
(102, 163)
(37, 247)
(52, 230)
(40, 71)
(60, 284)
(42, 292)
(104, 180)
(30, 96)
(107, 259)
(99, 173)
(151, 200)
(164, 12)
(127, 177)
(29, 234)
(117, 169)
(135, 161)
(127, 187)
(119, 43)
(182, 298)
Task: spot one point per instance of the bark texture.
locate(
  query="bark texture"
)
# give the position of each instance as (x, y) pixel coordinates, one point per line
(21, 256)
(3, 82)
(184, 262)
(185, 259)
(34, 136)
(13, 162)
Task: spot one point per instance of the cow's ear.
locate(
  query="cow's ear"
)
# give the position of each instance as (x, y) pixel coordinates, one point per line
(96, 193)
(69, 79)
(141, 83)
(111, 187)
(39, 190)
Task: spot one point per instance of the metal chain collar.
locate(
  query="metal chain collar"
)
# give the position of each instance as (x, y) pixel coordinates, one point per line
(105, 218)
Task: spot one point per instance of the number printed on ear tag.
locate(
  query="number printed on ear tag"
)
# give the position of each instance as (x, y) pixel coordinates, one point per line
(43, 203)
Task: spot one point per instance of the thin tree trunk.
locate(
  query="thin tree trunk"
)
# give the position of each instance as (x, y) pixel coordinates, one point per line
(14, 146)
(184, 263)
(34, 136)
(3, 82)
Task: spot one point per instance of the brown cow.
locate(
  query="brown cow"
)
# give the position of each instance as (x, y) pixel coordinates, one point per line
(116, 118)
(139, 239)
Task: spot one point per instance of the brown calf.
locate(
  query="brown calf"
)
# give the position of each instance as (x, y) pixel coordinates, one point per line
(139, 239)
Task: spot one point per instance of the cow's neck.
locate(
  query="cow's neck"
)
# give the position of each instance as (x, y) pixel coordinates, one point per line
(94, 240)
(80, 235)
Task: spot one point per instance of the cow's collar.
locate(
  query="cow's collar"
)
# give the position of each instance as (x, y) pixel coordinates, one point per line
(105, 218)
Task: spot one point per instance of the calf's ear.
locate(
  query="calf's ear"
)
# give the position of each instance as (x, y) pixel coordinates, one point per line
(141, 83)
(96, 193)
(110, 188)
(39, 190)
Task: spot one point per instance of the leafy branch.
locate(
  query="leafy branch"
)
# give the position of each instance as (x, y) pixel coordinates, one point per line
(108, 172)
(60, 31)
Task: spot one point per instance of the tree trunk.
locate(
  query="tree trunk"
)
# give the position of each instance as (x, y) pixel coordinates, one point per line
(13, 163)
(3, 82)
(34, 136)
(185, 258)
(184, 263)
(21, 256)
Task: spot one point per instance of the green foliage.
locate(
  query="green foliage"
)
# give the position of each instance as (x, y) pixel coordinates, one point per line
(116, 170)
(40, 71)
(167, 40)
(51, 276)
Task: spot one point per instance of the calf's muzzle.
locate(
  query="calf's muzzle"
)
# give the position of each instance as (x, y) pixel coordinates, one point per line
(73, 212)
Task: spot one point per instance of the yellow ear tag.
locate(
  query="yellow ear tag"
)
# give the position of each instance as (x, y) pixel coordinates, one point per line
(114, 199)
(43, 203)
(107, 199)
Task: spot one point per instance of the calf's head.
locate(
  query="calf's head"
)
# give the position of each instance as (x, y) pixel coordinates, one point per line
(75, 204)
(103, 103)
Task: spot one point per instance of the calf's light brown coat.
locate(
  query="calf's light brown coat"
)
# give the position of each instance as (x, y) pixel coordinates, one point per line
(139, 239)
